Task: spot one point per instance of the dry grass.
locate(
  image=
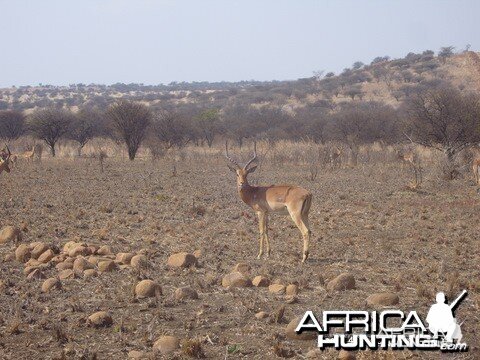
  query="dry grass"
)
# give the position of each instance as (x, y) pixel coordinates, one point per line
(411, 242)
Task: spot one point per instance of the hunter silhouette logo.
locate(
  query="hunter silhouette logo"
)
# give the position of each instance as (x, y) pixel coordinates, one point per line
(375, 330)
(440, 318)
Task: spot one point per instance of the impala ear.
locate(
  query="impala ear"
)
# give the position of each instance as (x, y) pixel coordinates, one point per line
(252, 169)
(232, 169)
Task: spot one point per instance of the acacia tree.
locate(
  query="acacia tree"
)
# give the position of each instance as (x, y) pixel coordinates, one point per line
(12, 125)
(87, 124)
(355, 125)
(209, 124)
(240, 122)
(445, 52)
(50, 125)
(130, 121)
(444, 119)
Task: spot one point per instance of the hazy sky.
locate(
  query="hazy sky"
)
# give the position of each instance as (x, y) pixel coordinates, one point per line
(146, 41)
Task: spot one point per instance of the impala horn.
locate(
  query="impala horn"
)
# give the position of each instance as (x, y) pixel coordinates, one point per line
(229, 158)
(254, 155)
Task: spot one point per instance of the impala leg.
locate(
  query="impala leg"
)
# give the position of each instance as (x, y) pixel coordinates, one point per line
(267, 241)
(300, 218)
(261, 226)
(306, 236)
(300, 222)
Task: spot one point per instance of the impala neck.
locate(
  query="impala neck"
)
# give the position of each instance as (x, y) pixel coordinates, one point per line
(245, 191)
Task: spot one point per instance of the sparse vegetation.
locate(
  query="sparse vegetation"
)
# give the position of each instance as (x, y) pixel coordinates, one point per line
(138, 257)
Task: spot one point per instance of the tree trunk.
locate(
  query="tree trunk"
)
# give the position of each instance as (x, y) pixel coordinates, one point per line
(79, 150)
(52, 148)
(132, 151)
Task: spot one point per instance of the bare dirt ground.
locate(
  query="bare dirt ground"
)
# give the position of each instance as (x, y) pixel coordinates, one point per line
(364, 221)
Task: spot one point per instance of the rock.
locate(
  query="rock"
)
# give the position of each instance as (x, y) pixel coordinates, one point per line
(291, 290)
(35, 243)
(382, 299)
(260, 281)
(36, 275)
(182, 259)
(236, 279)
(139, 262)
(243, 268)
(80, 265)
(59, 258)
(64, 265)
(261, 315)
(278, 289)
(166, 344)
(185, 293)
(197, 253)
(106, 266)
(291, 299)
(79, 250)
(137, 355)
(10, 234)
(51, 283)
(38, 250)
(346, 355)
(28, 270)
(22, 253)
(342, 282)
(104, 250)
(46, 256)
(92, 249)
(33, 262)
(147, 288)
(124, 258)
(94, 260)
(66, 274)
(291, 334)
(90, 273)
(100, 319)
(70, 245)
(69, 260)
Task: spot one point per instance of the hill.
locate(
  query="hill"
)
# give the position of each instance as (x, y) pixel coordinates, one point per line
(384, 80)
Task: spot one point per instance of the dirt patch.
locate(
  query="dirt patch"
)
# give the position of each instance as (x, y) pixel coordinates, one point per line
(364, 223)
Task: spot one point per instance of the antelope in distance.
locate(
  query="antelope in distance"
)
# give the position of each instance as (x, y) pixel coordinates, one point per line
(28, 155)
(336, 157)
(406, 157)
(476, 165)
(5, 160)
(283, 199)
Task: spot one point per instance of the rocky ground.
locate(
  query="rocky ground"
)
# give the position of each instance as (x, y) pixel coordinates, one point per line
(80, 228)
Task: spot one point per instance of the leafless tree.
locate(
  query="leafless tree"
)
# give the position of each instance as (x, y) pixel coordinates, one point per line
(50, 125)
(12, 125)
(130, 121)
(169, 129)
(86, 124)
(445, 119)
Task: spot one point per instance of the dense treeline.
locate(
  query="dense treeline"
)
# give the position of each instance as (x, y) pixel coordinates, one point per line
(441, 117)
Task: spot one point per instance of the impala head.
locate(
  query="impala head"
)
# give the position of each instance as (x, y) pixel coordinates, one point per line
(242, 172)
